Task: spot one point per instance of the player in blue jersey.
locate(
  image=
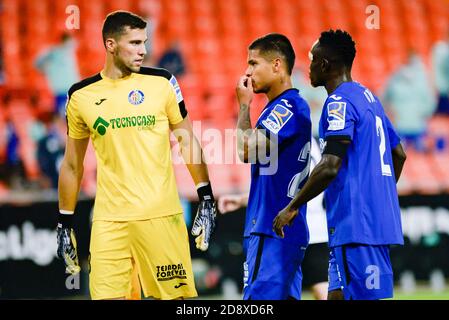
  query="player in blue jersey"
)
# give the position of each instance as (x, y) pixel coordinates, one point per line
(362, 161)
(279, 149)
(313, 272)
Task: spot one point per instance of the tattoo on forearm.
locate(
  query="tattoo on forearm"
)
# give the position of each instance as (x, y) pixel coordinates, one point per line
(244, 120)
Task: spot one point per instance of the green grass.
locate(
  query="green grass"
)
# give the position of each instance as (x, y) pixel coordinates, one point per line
(420, 294)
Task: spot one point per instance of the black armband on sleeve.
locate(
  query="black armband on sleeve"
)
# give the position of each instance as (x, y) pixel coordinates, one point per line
(336, 148)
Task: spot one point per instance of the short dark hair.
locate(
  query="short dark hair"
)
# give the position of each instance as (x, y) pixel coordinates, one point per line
(275, 42)
(116, 22)
(339, 45)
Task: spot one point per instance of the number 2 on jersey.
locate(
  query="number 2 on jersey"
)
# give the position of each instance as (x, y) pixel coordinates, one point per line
(386, 169)
(295, 182)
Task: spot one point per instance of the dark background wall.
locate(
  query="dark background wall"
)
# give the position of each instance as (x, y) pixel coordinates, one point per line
(29, 267)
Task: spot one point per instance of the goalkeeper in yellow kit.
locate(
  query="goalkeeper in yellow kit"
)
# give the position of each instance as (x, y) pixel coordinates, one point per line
(139, 238)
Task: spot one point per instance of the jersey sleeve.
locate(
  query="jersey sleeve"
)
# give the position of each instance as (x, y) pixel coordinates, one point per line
(338, 119)
(282, 121)
(392, 135)
(76, 127)
(176, 110)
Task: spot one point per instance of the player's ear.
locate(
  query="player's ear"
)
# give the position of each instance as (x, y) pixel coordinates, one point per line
(110, 44)
(325, 65)
(277, 63)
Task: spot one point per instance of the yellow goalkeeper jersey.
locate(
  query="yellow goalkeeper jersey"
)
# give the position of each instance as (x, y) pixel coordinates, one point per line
(128, 121)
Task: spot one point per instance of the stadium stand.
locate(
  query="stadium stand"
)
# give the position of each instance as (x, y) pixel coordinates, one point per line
(213, 36)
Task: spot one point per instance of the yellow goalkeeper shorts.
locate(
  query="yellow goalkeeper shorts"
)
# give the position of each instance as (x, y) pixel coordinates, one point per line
(152, 255)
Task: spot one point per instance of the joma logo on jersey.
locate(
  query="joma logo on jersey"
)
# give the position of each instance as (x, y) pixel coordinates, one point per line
(145, 122)
(170, 271)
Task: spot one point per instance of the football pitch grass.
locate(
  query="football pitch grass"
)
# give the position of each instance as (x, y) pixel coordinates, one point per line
(419, 294)
(422, 295)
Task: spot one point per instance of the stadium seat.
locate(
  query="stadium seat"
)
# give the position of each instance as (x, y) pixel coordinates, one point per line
(203, 8)
(440, 161)
(184, 181)
(21, 116)
(175, 8)
(421, 174)
(150, 8)
(214, 36)
(91, 11)
(239, 172)
(258, 104)
(438, 13)
(334, 13)
(242, 177)
(217, 140)
(45, 100)
(4, 190)
(438, 126)
(195, 106)
(221, 177)
(193, 92)
(404, 186)
(114, 5)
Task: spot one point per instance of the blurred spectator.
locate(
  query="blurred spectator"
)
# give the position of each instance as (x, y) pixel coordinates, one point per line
(14, 166)
(411, 101)
(440, 69)
(172, 60)
(60, 67)
(315, 97)
(50, 147)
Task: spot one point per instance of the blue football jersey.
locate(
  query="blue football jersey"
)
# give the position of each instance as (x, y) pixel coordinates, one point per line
(276, 180)
(362, 202)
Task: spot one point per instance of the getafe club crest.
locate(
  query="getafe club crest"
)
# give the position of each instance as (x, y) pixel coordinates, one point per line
(136, 97)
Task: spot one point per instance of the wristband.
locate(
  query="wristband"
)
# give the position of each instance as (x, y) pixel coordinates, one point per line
(205, 192)
(65, 218)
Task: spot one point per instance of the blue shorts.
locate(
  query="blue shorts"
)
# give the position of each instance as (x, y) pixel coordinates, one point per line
(362, 272)
(272, 270)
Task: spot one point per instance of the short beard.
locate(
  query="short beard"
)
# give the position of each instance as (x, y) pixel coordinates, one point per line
(122, 66)
(261, 90)
(316, 84)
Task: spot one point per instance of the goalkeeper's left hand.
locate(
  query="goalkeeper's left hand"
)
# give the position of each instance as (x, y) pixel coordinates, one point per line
(204, 223)
(65, 237)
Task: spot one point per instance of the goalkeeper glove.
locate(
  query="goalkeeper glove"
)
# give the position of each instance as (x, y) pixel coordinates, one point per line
(67, 244)
(204, 223)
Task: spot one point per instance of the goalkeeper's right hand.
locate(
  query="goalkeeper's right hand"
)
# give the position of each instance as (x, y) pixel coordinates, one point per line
(204, 224)
(67, 246)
